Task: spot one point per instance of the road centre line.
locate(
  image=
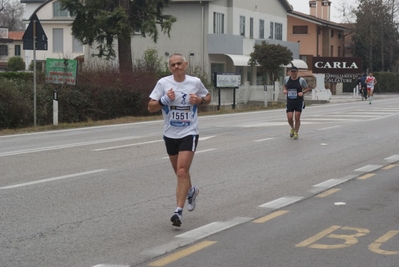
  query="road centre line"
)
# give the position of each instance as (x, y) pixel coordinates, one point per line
(195, 235)
(129, 145)
(181, 254)
(390, 166)
(41, 149)
(53, 179)
(328, 192)
(261, 140)
(198, 152)
(328, 128)
(144, 143)
(366, 176)
(271, 216)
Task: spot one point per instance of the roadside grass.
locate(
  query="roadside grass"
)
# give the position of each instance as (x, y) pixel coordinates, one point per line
(130, 119)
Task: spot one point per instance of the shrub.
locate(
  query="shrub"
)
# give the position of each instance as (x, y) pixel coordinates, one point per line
(15, 64)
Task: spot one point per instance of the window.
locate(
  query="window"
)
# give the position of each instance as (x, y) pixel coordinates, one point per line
(300, 29)
(278, 31)
(218, 68)
(218, 22)
(332, 51)
(77, 47)
(3, 50)
(58, 40)
(242, 25)
(339, 35)
(307, 58)
(339, 51)
(251, 27)
(17, 50)
(271, 36)
(261, 29)
(332, 33)
(57, 12)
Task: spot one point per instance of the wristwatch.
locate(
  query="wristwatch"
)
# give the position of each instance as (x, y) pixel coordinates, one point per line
(203, 100)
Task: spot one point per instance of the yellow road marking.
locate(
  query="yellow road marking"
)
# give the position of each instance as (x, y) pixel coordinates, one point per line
(181, 254)
(366, 176)
(270, 216)
(388, 167)
(318, 236)
(328, 192)
(375, 246)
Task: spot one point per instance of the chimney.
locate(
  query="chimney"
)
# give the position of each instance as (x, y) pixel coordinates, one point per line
(312, 7)
(326, 4)
(320, 9)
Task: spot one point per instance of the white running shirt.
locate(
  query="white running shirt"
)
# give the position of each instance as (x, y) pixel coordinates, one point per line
(180, 117)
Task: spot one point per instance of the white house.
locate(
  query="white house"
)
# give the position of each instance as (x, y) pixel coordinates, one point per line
(216, 35)
(56, 25)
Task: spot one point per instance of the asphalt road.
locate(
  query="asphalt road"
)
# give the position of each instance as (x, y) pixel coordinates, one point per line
(103, 196)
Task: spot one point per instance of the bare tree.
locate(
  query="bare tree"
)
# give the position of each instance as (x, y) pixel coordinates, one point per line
(11, 14)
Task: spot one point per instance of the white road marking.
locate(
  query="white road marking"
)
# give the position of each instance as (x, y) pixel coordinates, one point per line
(199, 151)
(143, 143)
(281, 202)
(393, 158)
(261, 140)
(41, 149)
(52, 179)
(368, 168)
(328, 128)
(206, 137)
(194, 235)
(129, 145)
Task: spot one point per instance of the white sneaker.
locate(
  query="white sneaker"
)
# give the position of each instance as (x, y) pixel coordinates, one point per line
(177, 218)
(191, 198)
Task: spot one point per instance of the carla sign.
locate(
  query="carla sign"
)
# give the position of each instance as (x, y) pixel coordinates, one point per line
(337, 65)
(340, 78)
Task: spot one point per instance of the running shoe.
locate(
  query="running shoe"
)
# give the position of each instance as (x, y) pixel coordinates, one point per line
(292, 133)
(191, 198)
(177, 218)
(295, 135)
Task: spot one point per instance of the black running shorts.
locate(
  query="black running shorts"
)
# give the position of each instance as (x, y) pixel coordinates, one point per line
(295, 106)
(188, 143)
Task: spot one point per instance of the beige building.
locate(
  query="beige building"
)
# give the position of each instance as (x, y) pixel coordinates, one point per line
(316, 34)
(10, 46)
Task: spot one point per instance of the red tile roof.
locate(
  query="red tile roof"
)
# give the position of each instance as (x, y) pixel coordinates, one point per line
(15, 35)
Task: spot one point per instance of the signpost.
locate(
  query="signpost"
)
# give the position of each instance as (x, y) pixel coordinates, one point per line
(60, 71)
(227, 80)
(34, 39)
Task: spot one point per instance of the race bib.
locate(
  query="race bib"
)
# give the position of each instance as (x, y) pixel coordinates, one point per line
(292, 93)
(180, 116)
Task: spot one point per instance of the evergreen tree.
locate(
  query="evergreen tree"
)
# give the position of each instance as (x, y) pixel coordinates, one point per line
(100, 22)
(376, 37)
(270, 57)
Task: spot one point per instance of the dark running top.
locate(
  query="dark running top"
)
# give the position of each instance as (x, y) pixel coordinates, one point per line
(294, 87)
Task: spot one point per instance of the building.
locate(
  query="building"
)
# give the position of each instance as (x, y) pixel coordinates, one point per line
(56, 25)
(216, 35)
(317, 35)
(10, 46)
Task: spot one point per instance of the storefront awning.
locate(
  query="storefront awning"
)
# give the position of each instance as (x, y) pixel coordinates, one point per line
(239, 60)
(242, 60)
(299, 63)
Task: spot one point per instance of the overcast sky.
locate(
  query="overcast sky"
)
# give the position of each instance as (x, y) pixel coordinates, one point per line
(303, 6)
